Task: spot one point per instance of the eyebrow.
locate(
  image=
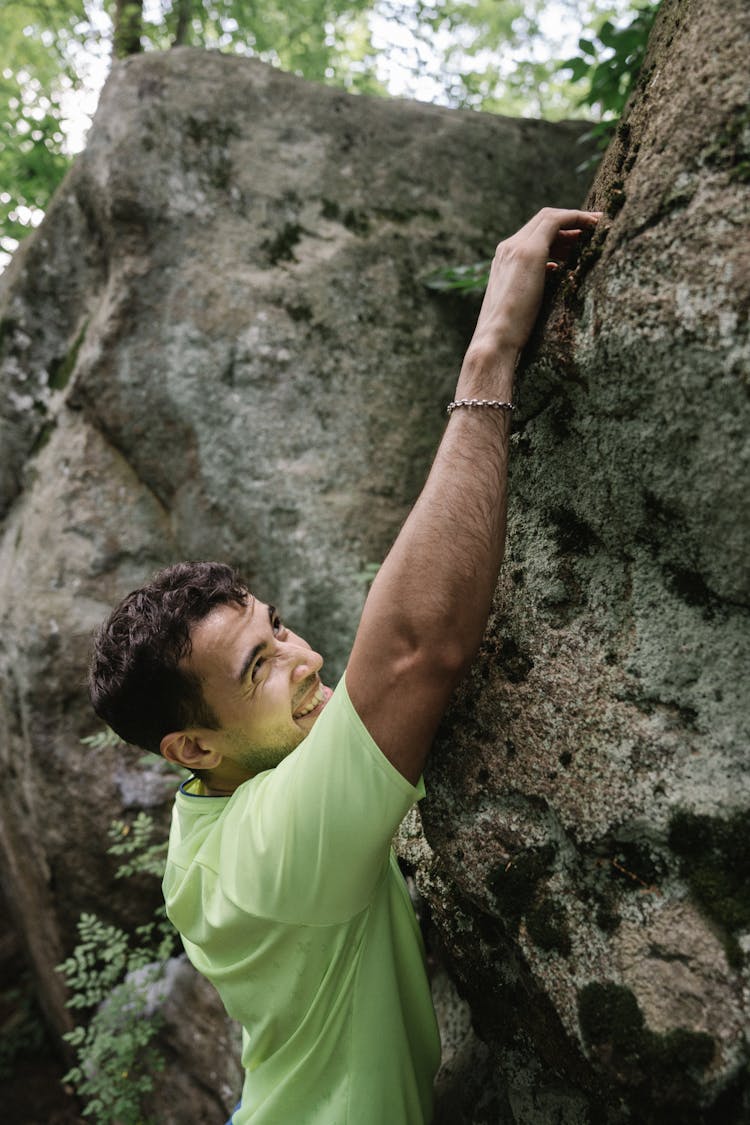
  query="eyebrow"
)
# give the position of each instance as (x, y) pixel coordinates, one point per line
(249, 660)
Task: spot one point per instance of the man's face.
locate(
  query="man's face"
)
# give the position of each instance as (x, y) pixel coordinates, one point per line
(261, 681)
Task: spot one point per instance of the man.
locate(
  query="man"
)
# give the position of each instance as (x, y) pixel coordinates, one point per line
(280, 876)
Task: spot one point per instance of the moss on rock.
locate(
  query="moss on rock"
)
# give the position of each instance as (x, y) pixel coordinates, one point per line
(662, 1070)
(60, 372)
(514, 883)
(547, 926)
(635, 865)
(715, 863)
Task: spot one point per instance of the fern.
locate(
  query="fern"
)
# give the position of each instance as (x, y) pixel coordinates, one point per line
(116, 976)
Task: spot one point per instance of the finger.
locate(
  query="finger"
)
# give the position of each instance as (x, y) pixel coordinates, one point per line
(553, 221)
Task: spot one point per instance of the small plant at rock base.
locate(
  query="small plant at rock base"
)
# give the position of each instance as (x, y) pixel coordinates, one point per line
(117, 975)
(136, 841)
(116, 1059)
(102, 739)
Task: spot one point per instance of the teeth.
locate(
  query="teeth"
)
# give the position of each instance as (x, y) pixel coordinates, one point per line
(316, 700)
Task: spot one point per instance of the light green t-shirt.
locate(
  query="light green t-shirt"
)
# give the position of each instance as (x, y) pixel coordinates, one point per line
(289, 899)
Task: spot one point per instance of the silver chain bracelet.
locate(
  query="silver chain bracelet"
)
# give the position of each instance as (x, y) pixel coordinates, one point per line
(472, 402)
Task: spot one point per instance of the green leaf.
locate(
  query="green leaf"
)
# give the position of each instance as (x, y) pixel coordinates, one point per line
(608, 34)
(464, 279)
(578, 68)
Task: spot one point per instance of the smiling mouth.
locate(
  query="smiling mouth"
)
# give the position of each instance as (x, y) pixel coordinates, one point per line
(311, 703)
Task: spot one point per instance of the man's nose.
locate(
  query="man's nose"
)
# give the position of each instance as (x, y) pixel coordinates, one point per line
(305, 662)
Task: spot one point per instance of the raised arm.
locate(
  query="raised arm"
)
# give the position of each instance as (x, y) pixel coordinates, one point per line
(428, 606)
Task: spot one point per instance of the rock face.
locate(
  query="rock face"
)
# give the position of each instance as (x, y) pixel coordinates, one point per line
(586, 845)
(218, 345)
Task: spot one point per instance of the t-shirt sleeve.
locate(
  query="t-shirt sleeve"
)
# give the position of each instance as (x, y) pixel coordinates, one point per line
(308, 842)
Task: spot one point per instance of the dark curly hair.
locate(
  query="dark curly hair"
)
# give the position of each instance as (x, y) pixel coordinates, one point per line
(136, 683)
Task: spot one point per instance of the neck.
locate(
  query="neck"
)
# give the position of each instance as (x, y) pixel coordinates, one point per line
(216, 790)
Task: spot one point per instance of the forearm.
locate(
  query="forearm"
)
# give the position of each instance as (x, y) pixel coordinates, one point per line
(435, 588)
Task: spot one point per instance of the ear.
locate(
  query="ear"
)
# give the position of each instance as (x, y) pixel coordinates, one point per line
(186, 750)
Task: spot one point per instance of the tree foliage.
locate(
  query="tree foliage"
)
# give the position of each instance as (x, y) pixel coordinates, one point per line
(609, 62)
(38, 73)
(494, 55)
(607, 67)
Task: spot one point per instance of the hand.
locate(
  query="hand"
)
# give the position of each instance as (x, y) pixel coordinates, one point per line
(516, 285)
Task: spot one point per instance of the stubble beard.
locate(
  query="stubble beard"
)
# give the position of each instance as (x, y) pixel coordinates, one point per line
(256, 759)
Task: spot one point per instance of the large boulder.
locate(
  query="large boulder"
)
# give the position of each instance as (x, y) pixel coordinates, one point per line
(218, 345)
(586, 843)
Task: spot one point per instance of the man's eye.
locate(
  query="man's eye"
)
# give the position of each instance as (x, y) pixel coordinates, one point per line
(277, 624)
(256, 666)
